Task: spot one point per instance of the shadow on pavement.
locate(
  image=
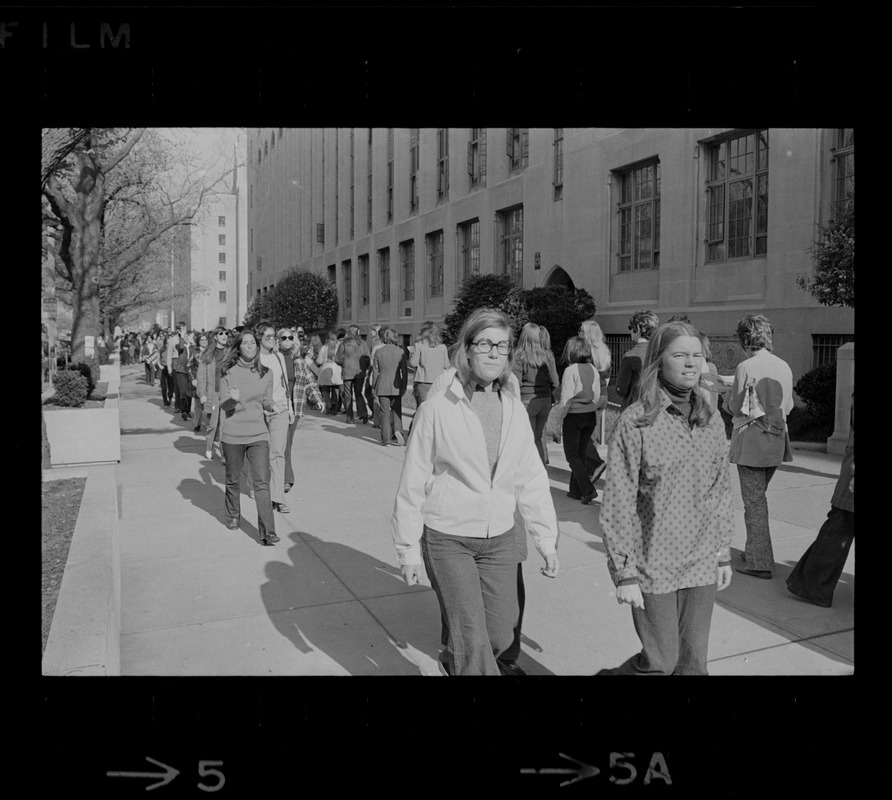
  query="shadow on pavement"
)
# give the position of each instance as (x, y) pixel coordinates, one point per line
(804, 471)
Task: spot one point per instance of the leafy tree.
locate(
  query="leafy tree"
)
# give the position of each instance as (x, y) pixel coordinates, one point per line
(300, 298)
(833, 256)
(480, 291)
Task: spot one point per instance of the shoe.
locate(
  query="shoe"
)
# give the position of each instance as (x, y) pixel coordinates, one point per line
(807, 599)
(587, 500)
(349, 420)
(764, 574)
(183, 415)
(287, 487)
(208, 454)
(400, 438)
(599, 471)
(386, 444)
(269, 540)
(510, 668)
(364, 420)
(196, 429)
(573, 496)
(281, 508)
(232, 523)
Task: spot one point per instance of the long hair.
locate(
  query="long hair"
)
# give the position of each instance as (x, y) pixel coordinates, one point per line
(232, 355)
(529, 350)
(208, 355)
(649, 388)
(594, 337)
(479, 320)
(545, 338)
(315, 345)
(430, 334)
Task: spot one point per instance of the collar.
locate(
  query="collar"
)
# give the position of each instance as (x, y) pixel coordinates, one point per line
(496, 387)
(666, 402)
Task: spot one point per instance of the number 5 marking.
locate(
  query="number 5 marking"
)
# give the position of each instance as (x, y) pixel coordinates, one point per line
(203, 770)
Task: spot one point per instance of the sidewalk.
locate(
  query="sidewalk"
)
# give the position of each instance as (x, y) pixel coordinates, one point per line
(198, 599)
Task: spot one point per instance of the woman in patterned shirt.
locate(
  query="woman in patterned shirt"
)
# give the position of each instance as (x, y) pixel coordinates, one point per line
(667, 510)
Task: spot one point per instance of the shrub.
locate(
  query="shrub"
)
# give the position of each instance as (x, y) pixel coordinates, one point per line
(89, 370)
(480, 291)
(300, 298)
(803, 426)
(71, 388)
(817, 389)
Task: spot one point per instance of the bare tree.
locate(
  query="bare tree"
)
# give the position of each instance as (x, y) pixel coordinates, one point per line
(108, 202)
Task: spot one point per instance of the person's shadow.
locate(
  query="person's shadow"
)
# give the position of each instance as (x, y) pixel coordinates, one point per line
(352, 607)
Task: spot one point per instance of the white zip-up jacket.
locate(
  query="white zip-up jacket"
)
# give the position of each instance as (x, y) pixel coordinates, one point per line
(446, 484)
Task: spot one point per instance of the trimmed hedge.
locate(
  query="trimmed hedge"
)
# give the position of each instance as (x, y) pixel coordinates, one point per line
(90, 372)
(817, 389)
(71, 389)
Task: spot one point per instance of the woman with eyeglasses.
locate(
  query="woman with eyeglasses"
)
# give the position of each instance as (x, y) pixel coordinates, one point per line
(210, 366)
(470, 464)
(246, 392)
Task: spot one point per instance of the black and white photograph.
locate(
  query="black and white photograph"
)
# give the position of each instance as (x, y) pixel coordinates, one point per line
(336, 386)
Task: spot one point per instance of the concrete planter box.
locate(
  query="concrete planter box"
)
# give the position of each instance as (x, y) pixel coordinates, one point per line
(87, 435)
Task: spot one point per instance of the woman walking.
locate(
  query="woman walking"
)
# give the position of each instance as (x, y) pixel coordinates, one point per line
(246, 391)
(329, 378)
(594, 338)
(391, 376)
(201, 344)
(210, 371)
(580, 392)
(181, 375)
(470, 465)
(428, 358)
(667, 514)
(537, 374)
(760, 399)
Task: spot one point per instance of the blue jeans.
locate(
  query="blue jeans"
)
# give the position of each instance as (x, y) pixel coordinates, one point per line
(475, 581)
(539, 408)
(258, 461)
(674, 633)
(576, 436)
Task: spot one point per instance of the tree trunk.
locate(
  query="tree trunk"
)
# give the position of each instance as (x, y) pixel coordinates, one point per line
(45, 459)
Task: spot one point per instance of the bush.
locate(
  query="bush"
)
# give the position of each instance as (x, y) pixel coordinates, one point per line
(300, 298)
(481, 291)
(89, 370)
(803, 426)
(71, 388)
(817, 389)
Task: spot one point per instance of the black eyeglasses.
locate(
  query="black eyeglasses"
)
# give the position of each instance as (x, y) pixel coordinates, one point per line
(486, 346)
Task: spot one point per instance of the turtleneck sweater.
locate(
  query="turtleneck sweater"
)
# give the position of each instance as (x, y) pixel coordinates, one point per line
(681, 398)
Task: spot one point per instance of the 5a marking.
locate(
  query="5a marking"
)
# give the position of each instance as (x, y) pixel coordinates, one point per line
(657, 769)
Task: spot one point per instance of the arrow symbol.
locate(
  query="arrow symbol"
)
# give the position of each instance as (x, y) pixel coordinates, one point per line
(582, 771)
(166, 777)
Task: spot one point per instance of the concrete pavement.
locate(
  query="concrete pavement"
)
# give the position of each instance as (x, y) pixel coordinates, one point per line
(198, 599)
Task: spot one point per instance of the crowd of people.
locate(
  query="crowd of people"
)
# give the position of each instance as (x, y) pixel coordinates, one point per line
(474, 482)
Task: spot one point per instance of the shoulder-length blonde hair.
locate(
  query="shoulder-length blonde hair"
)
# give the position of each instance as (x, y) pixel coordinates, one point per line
(479, 320)
(530, 350)
(430, 334)
(594, 337)
(649, 388)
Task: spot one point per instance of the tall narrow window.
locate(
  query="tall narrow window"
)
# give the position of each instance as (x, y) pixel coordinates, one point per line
(477, 157)
(434, 243)
(558, 178)
(364, 280)
(843, 170)
(737, 196)
(221, 221)
(352, 183)
(469, 249)
(442, 163)
(407, 269)
(639, 217)
(222, 274)
(510, 224)
(320, 232)
(369, 187)
(518, 148)
(390, 174)
(221, 239)
(384, 274)
(413, 170)
(221, 258)
(347, 269)
(222, 297)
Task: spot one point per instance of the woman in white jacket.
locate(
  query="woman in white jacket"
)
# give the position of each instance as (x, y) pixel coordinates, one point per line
(471, 462)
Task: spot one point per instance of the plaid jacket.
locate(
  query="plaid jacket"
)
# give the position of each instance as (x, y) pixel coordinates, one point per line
(304, 387)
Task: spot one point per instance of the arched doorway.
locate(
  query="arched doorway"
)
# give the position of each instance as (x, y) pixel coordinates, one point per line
(559, 277)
